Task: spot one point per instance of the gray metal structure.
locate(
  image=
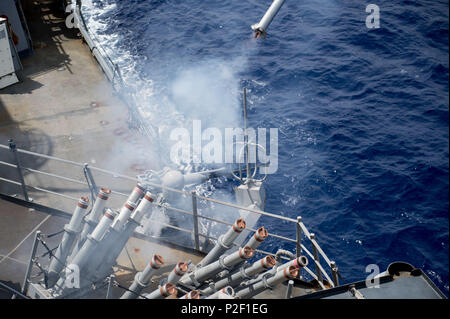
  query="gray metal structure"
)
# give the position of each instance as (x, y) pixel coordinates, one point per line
(71, 230)
(258, 287)
(143, 278)
(134, 220)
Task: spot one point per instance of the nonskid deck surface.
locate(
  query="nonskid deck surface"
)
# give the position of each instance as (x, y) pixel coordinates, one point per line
(65, 107)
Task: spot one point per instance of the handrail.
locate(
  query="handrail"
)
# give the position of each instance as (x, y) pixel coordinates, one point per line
(316, 248)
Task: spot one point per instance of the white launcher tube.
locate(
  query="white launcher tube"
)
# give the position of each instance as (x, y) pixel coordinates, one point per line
(93, 217)
(241, 274)
(224, 242)
(143, 207)
(84, 255)
(298, 263)
(120, 238)
(261, 27)
(143, 278)
(178, 271)
(124, 214)
(258, 237)
(99, 205)
(212, 269)
(136, 194)
(154, 264)
(281, 276)
(64, 248)
(103, 225)
(162, 292)
(78, 214)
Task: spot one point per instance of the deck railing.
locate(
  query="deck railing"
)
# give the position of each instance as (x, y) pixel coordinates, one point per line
(315, 253)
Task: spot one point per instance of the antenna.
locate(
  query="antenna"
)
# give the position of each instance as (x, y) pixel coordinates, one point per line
(246, 136)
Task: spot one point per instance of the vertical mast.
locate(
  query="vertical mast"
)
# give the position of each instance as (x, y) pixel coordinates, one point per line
(246, 137)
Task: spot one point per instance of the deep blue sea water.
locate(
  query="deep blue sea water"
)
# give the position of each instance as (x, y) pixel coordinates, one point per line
(363, 115)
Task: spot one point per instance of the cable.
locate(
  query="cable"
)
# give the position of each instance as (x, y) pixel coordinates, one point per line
(14, 291)
(88, 181)
(57, 233)
(133, 292)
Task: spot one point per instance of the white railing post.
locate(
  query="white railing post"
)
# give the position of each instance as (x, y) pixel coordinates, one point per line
(334, 273)
(13, 149)
(195, 217)
(312, 236)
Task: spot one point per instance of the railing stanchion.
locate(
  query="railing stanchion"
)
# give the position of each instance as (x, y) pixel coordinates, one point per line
(13, 149)
(91, 180)
(316, 257)
(334, 273)
(26, 282)
(298, 249)
(111, 280)
(195, 217)
(289, 289)
(299, 237)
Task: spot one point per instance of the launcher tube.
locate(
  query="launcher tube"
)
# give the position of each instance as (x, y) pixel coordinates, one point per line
(224, 242)
(70, 233)
(241, 274)
(178, 271)
(210, 270)
(93, 218)
(261, 27)
(124, 214)
(143, 278)
(258, 287)
(136, 194)
(162, 292)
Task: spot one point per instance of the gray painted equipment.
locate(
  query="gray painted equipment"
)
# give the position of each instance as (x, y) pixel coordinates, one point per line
(116, 240)
(178, 271)
(9, 59)
(93, 218)
(225, 262)
(71, 230)
(86, 252)
(162, 292)
(258, 287)
(298, 263)
(258, 237)
(236, 277)
(143, 278)
(224, 242)
(136, 194)
(18, 24)
(124, 214)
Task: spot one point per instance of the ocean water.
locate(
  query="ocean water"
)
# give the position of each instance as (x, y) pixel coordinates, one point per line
(362, 113)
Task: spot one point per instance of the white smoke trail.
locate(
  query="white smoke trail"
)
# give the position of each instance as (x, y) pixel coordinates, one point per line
(207, 90)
